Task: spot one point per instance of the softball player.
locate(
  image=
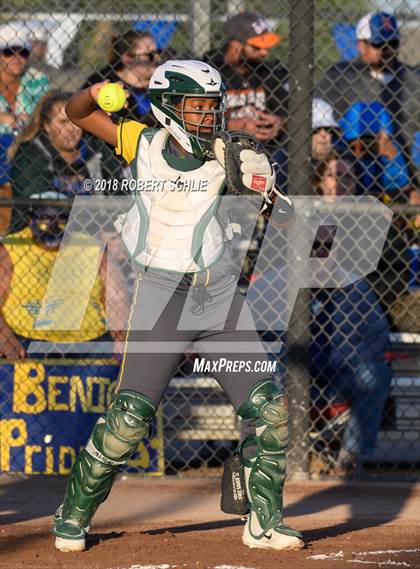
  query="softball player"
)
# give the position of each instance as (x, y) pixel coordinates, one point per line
(180, 244)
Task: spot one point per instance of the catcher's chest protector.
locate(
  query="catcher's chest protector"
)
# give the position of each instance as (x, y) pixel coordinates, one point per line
(173, 224)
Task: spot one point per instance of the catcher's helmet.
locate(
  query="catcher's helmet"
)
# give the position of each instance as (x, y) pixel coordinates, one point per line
(170, 85)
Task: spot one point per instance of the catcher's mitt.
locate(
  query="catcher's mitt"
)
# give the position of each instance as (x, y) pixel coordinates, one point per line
(248, 169)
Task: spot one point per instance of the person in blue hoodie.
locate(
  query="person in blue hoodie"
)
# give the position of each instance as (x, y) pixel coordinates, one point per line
(381, 167)
(350, 334)
(350, 337)
(382, 170)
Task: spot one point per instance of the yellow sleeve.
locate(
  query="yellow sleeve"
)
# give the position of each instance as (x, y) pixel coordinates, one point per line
(129, 132)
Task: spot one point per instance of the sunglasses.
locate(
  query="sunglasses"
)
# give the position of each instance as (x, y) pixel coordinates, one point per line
(328, 129)
(16, 50)
(393, 44)
(46, 225)
(256, 48)
(148, 57)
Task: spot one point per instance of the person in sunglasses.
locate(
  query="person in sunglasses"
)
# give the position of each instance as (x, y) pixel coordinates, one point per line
(27, 260)
(20, 90)
(133, 57)
(377, 75)
(255, 82)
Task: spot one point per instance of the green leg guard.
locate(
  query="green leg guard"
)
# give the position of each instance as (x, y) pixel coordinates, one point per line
(266, 469)
(114, 439)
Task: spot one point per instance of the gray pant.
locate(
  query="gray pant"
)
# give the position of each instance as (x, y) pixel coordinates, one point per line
(170, 312)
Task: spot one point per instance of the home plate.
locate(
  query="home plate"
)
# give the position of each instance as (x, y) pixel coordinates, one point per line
(354, 554)
(166, 566)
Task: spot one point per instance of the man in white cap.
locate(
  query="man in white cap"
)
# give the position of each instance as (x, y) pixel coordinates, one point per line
(324, 126)
(325, 133)
(377, 75)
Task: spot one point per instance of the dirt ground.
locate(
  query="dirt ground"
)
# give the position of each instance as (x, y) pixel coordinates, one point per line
(173, 524)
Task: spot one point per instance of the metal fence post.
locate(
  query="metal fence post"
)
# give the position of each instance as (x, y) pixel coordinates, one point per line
(200, 11)
(299, 148)
(234, 7)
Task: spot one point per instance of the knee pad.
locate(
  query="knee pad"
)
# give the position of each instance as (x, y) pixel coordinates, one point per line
(116, 435)
(268, 405)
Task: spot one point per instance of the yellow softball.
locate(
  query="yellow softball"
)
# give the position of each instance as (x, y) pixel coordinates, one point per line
(111, 97)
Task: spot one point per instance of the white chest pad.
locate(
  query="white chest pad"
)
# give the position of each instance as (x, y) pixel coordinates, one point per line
(172, 224)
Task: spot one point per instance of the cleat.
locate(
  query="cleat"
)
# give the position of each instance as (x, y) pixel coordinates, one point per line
(70, 545)
(69, 535)
(273, 539)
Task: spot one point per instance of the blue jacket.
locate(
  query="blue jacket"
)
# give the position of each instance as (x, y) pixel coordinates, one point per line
(349, 327)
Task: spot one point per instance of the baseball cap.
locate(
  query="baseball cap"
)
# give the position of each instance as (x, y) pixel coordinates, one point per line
(323, 115)
(14, 34)
(365, 119)
(251, 28)
(378, 28)
(37, 31)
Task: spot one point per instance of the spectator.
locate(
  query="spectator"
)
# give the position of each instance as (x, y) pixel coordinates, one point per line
(377, 75)
(334, 176)
(390, 280)
(326, 135)
(20, 91)
(382, 170)
(133, 57)
(256, 96)
(53, 152)
(381, 167)
(27, 261)
(350, 337)
(325, 129)
(405, 312)
(349, 331)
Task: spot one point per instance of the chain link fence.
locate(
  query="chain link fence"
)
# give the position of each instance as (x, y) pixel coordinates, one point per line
(336, 99)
